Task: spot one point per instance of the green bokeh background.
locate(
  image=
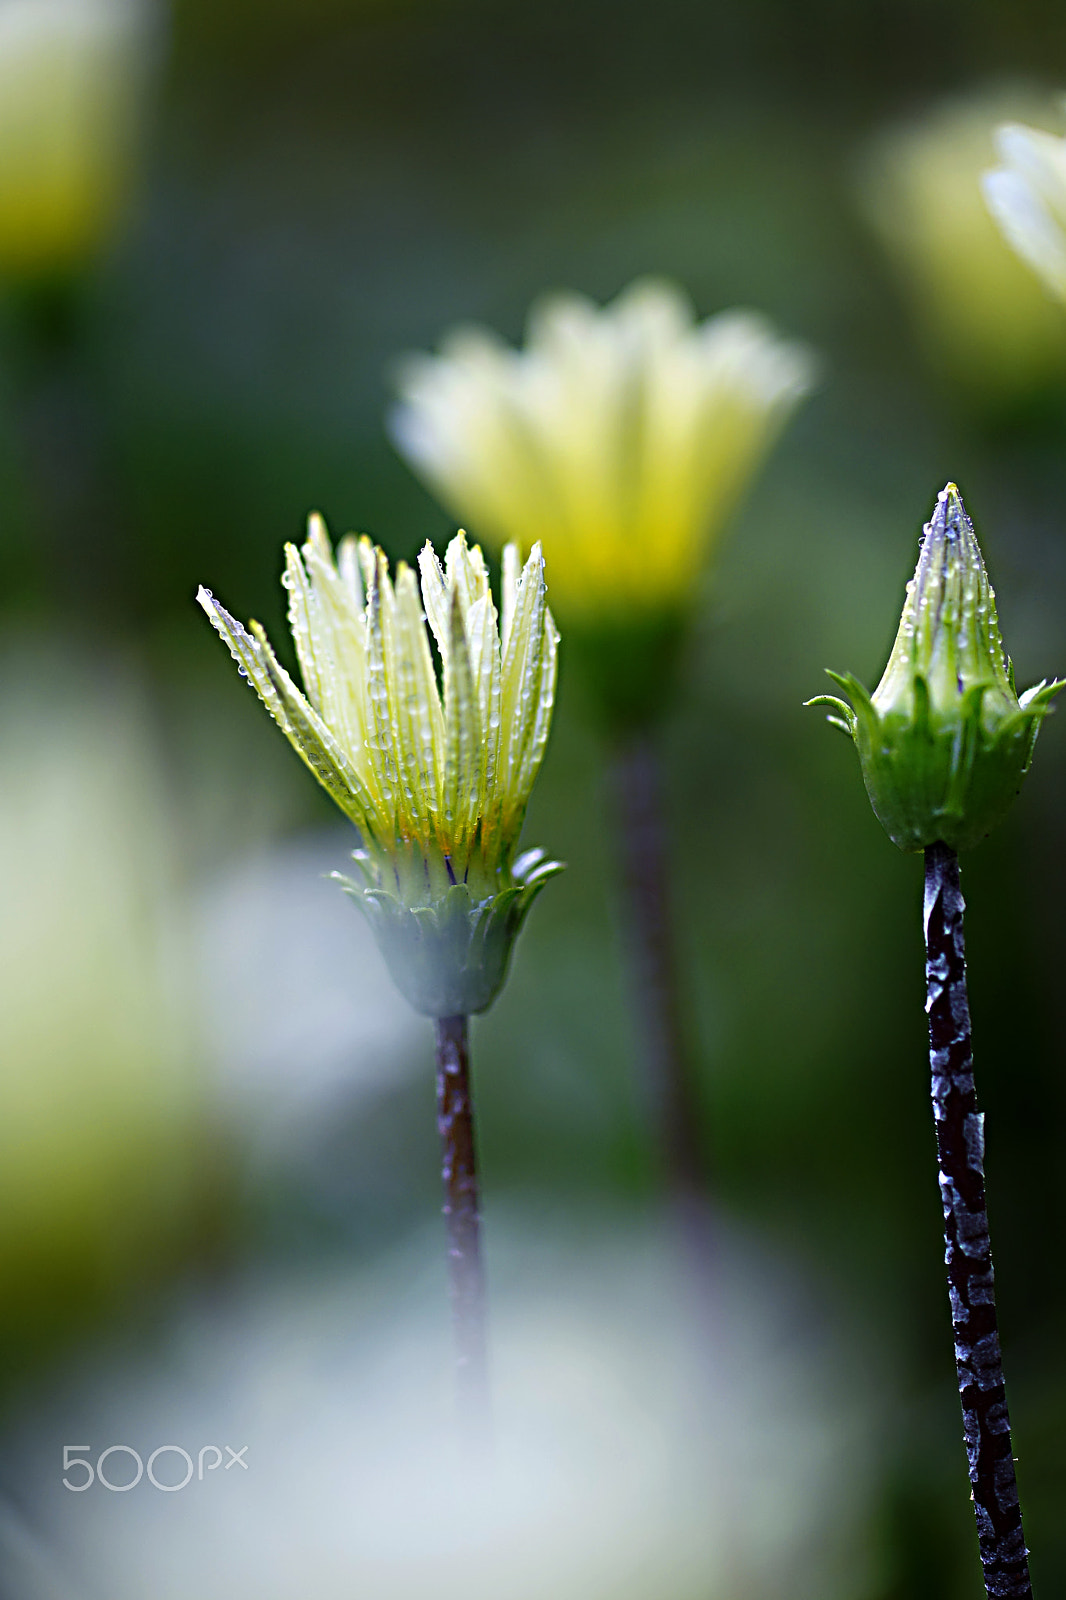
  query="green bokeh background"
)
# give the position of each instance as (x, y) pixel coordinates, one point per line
(330, 184)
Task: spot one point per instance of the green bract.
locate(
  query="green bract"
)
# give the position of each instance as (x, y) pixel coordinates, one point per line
(437, 780)
(944, 740)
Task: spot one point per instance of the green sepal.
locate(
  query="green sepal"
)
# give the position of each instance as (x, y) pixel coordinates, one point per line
(845, 721)
(450, 956)
(935, 776)
(1034, 705)
(853, 687)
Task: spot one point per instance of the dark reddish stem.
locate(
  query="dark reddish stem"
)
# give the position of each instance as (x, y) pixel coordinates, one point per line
(455, 1122)
(960, 1144)
(636, 779)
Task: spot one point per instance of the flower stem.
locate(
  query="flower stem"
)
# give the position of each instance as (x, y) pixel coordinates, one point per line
(960, 1144)
(636, 778)
(455, 1122)
(76, 526)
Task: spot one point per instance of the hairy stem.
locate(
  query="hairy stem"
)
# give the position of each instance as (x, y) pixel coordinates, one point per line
(455, 1123)
(960, 1143)
(636, 779)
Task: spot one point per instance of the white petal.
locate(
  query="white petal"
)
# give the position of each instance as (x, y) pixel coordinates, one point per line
(1027, 226)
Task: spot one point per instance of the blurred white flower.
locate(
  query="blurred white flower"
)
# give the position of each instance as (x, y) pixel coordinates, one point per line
(982, 317)
(633, 1460)
(1027, 198)
(72, 79)
(620, 436)
(297, 1000)
(100, 1094)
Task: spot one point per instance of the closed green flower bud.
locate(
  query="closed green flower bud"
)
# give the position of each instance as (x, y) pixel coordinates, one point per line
(944, 740)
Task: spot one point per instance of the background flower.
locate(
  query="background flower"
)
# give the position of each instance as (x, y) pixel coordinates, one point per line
(620, 436)
(1027, 198)
(984, 327)
(607, 1480)
(105, 1153)
(72, 81)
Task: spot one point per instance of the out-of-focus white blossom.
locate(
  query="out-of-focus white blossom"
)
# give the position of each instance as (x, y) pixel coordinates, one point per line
(72, 79)
(983, 319)
(303, 1024)
(1027, 198)
(100, 1099)
(636, 1456)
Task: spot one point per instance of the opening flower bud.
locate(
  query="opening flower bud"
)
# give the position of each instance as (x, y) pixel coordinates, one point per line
(944, 740)
(436, 775)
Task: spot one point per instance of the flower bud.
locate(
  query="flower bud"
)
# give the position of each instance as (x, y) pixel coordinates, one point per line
(944, 740)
